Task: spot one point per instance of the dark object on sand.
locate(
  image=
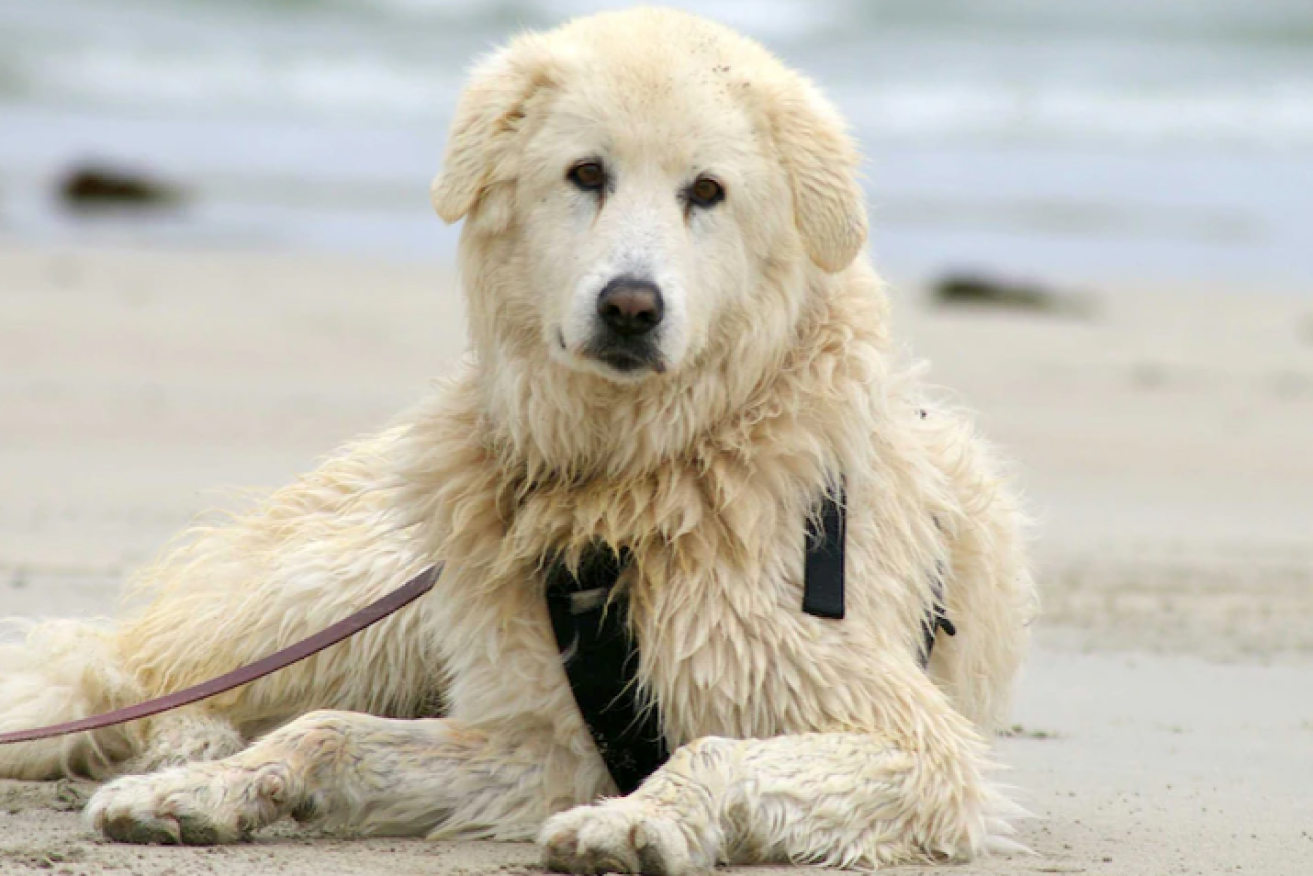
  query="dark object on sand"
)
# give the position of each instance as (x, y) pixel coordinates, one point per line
(980, 290)
(92, 186)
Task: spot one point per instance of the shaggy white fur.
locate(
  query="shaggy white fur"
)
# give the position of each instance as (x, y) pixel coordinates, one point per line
(795, 738)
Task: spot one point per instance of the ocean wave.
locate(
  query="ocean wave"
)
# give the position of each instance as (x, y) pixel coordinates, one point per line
(1275, 115)
(1278, 116)
(357, 86)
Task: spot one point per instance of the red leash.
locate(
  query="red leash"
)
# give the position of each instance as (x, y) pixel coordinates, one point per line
(343, 629)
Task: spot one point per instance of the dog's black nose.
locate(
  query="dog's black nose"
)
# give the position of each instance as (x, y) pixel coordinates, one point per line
(630, 307)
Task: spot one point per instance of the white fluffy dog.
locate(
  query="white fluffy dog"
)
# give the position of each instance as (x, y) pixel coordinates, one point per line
(679, 348)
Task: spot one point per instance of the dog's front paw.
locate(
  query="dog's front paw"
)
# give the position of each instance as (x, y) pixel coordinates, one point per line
(202, 804)
(621, 836)
(185, 737)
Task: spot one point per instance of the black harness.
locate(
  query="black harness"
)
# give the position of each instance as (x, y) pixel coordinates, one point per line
(601, 662)
(601, 658)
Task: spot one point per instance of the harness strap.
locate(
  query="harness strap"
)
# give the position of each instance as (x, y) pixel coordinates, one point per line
(823, 574)
(934, 621)
(591, 623)
(367, 616)
(823, 584)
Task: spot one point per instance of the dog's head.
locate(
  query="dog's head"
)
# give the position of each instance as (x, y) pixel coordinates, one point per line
(637, 186)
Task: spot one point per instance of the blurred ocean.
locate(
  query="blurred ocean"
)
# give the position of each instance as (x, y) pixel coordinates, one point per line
(1060, 139)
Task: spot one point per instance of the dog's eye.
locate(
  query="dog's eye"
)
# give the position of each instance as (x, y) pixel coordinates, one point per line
(706, 192)
(589, 176)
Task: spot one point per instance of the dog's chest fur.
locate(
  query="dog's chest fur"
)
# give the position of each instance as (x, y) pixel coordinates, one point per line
(714, 582)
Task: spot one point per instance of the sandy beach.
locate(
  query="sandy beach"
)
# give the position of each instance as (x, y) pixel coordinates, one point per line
(1163, 435)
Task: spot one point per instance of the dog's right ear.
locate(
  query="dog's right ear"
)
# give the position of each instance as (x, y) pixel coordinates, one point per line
(480, 165)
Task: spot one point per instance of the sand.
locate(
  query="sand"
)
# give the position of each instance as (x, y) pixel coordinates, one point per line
(1165, 720)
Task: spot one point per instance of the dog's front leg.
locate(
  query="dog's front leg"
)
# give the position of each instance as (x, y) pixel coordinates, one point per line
(840, 799)
(353, 772)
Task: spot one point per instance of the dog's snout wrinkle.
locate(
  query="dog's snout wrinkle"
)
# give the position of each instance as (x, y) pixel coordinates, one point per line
(630, 307)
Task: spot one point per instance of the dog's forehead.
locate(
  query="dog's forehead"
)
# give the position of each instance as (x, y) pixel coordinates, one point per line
(685, 111)
(658, 86)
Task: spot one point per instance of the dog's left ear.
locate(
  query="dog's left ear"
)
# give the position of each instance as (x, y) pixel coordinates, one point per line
(822, 163)
(481, 160)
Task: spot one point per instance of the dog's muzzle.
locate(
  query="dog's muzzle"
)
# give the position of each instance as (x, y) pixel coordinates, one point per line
(629, 314)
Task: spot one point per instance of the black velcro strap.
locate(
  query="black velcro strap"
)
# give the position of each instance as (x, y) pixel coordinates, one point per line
(601, 663)
(822, 589)
(936, 619)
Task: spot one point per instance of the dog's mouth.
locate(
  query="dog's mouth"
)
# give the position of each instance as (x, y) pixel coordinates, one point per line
(630, 358)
